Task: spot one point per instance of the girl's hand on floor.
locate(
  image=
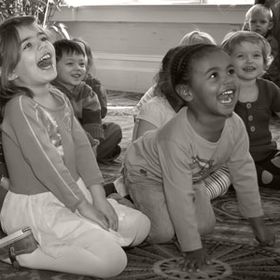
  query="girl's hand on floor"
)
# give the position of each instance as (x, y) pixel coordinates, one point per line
(194, 260)
(90, 212)
(264, 235)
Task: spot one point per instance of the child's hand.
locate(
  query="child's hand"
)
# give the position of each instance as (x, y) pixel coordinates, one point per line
(102, 204)
(5, 183)
(194, 260)
(106, 208)
(264, 235)
(90, 212)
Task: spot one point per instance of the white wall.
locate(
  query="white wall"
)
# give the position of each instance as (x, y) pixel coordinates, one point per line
(129, 41)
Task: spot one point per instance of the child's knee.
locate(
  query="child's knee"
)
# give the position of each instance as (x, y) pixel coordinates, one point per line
(113, 264)
(161, 235)
(143, 227)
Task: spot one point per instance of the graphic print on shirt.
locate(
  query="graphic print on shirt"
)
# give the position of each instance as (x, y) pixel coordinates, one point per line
(201, 168)
(52, 129)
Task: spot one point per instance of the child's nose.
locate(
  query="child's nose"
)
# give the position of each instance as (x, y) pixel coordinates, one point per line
(249, 58)
(41, 44)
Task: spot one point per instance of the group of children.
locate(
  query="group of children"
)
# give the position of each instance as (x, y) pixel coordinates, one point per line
(203, 125)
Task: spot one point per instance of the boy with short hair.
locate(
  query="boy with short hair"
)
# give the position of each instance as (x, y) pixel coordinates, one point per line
(71, 69)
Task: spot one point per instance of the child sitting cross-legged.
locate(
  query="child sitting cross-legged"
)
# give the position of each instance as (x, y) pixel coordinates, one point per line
(71, 70)
(164, 168)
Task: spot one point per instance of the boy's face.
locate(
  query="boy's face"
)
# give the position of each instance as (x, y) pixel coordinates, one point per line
(260, 23)
(71, 69)
(248, 60)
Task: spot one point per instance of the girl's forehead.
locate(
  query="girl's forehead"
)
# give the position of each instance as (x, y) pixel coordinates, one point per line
(212, 60)
(29, 30)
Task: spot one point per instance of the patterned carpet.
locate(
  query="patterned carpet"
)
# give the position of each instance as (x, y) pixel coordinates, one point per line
(236, 255)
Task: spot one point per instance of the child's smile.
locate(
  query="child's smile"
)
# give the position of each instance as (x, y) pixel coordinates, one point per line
(227, 97)
(45, 61)
(248, 61)
(71, 69)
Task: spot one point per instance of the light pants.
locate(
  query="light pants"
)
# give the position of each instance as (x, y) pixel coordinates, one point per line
(68, 242)
(148, 196)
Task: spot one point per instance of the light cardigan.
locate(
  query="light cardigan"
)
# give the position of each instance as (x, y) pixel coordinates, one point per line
(47, 150)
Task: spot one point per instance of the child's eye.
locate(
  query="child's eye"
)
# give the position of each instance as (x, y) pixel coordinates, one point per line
(27, 46)
(69, 63)
(213, 75)
(44, 38)
(257, 55)
(82, 64)
(231, 71)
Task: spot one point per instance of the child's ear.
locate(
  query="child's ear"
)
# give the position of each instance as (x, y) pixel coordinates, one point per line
(270, 26)
(12, 76)
(184, 92)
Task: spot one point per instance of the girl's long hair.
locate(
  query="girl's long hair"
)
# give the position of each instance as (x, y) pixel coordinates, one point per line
(10, 45)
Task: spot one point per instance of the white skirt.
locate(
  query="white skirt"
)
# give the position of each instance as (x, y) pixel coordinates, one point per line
(55, 225)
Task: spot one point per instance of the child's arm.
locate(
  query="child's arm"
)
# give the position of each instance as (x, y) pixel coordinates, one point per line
(24, 127)
(179, 194)
(101, 93)
(263, 235)
(244, 180)
(91, 115)
(90, 173)
(102, 204)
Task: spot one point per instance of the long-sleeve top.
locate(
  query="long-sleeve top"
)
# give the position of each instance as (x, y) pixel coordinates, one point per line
(47, 150)
(101, 92)
(176, 156)
(256, 116)
(86, 107)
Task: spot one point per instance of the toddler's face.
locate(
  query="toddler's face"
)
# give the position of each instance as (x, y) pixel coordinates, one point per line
(248, 60)
(260, 23)
(71, 69)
